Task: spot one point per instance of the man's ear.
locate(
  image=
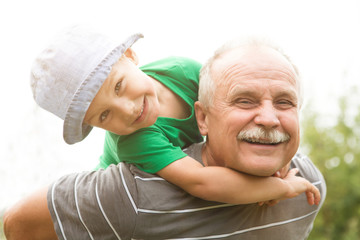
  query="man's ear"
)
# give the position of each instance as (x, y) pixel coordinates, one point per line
(129, 53)
(201, 117)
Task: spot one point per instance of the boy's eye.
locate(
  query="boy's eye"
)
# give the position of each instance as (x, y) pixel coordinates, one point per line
(104, 115)
(117, 87)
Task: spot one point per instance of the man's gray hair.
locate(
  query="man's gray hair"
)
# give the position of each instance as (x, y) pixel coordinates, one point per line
(207, 85)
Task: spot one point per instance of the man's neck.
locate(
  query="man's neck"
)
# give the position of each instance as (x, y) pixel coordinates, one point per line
(207, 157)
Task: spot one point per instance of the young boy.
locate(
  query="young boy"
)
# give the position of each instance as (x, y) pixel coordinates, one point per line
(149, 114)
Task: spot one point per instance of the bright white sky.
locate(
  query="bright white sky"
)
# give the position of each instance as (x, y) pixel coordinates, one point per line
(321, 36)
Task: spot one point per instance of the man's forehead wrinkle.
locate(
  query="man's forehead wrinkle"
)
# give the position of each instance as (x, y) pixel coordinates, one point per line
(276, 74)
(232, 72)
(246, 88)
(236, 71)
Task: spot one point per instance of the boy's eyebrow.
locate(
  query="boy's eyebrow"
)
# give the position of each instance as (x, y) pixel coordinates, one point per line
(111, 80)
(92, 116)
(89, 119)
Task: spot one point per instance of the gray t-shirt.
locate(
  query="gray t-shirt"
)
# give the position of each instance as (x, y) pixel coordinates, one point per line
(123, 202)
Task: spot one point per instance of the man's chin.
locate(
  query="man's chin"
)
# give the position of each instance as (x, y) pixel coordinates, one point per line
(263, 170)
(264, 173)
(263, 164)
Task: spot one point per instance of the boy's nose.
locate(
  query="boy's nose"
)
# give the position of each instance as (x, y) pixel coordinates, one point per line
(124, 107)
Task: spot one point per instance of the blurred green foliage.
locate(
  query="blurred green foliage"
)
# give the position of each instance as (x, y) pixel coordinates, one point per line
(2, 235)
(335, 150)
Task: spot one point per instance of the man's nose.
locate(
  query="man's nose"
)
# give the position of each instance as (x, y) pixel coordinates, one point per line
(267, 116)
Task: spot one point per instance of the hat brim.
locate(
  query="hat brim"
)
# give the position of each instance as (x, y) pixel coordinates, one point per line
(74, 130)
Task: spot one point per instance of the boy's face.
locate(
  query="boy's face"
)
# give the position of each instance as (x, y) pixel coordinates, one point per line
(126, 102)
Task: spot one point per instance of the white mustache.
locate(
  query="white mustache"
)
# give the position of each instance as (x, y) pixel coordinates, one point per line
(260, 135)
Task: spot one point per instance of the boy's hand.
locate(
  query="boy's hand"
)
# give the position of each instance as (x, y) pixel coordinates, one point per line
(299, 185)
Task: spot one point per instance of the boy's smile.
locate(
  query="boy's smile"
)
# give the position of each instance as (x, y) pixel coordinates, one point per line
(127, 100)
(142, 113)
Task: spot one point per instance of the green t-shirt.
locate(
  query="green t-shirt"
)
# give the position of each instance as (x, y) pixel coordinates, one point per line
(153, 148)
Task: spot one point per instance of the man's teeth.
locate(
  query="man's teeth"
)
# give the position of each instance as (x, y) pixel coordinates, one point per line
(261, 141)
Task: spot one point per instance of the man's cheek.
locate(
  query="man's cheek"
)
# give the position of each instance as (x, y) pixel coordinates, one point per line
(283, 171)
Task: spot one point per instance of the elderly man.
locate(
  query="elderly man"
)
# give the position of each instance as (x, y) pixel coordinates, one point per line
(249, 93)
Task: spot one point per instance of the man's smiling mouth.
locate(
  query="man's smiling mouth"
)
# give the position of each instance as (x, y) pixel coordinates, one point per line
(261, 136)
(261, 141)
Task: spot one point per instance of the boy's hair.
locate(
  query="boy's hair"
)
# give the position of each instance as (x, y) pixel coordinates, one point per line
(67, 75)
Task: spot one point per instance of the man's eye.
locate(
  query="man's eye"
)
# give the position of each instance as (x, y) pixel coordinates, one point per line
(244, 101)
(104, 115)
(285, 104)
(117, 87)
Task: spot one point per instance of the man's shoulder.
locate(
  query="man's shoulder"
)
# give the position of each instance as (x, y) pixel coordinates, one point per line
(307, 168)
(194, 151)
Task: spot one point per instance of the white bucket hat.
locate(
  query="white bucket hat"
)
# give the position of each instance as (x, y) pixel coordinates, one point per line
(67, 75)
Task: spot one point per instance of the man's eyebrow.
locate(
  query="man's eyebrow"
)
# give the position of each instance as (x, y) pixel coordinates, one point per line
(287, 93)
(241, 90)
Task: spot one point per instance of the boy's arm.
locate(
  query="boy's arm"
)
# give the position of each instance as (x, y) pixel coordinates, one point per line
(30, 218)
(226, 185)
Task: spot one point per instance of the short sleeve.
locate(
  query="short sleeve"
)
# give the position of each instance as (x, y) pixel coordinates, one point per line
(148, 149)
